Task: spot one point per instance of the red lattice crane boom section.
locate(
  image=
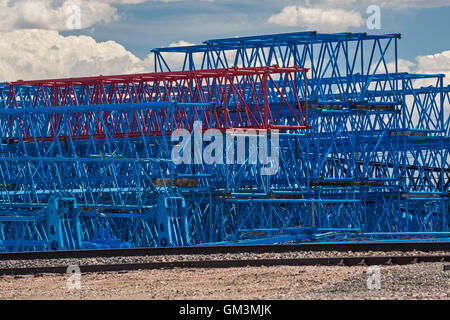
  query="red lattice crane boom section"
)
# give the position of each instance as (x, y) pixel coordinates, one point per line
(261, 98)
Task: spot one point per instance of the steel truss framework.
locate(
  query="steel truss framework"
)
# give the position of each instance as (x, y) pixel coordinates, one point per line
(363, 149)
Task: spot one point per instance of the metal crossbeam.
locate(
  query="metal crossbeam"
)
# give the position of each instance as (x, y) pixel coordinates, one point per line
(222, 99)
(363, 150)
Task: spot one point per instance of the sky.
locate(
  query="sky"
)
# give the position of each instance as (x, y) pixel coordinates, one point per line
(64, 38)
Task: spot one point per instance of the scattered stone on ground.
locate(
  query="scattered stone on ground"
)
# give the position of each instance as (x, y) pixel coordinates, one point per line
(416, 281)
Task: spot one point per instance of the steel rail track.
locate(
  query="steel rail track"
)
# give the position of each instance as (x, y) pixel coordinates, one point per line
(331, 261)
(340, 247)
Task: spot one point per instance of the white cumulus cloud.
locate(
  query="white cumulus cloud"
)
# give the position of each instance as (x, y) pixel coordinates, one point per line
(435, 63)
(394, 4)
(438, 63)
(60, 14)
(54, 15)
(320, 19)
(40, 54)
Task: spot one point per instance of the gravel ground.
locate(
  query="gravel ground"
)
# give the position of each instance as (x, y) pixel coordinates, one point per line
(417, 281)
(238, 256)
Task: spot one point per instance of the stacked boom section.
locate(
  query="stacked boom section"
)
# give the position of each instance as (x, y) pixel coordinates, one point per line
(361, 150)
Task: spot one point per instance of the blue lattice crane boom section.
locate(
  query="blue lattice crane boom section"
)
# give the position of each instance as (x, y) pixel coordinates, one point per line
(363, 149)
(369, 121)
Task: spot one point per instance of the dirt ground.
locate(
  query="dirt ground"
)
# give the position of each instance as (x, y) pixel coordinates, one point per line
(419, 281)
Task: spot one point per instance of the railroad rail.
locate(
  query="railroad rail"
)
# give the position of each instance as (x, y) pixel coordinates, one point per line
(333, 261)
(352, 246)
(441, 249)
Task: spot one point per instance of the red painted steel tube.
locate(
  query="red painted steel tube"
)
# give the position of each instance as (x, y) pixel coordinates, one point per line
(234, 95)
